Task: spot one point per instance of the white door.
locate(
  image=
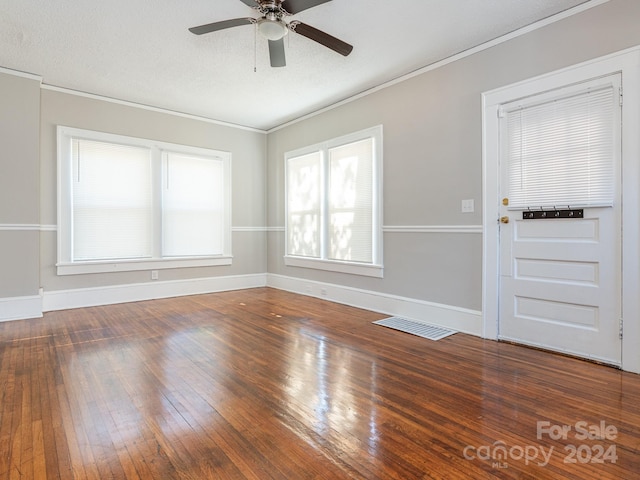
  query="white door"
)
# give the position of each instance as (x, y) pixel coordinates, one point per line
(560, 272)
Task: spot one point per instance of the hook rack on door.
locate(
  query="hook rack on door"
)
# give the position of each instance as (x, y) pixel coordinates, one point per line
(555, 213)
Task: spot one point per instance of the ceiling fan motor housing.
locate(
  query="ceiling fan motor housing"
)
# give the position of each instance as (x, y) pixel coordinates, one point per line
(272, 28)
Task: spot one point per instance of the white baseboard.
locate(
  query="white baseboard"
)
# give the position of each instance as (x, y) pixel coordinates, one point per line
(18, 308)
(455, 318)
(90, 297)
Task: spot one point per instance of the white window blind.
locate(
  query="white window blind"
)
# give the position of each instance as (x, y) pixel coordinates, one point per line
(304, 203)
(560, 152)
(192, 206)
(112, 201)
(350, 213)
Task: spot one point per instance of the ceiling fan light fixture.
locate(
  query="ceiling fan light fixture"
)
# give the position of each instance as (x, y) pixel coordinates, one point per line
(272, 29)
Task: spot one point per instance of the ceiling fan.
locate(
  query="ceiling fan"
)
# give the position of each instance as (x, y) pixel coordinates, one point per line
(273, 26)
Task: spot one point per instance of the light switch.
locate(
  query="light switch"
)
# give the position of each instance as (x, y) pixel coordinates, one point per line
(468, 206)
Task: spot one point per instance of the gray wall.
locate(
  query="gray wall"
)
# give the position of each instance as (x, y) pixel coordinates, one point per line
(19, 186)
(432, 160)
(433, 153)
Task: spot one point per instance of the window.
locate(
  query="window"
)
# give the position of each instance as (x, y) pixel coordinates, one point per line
(192, 206)
(133, 204)
(559, 148)
(334, 193)
(111, 211)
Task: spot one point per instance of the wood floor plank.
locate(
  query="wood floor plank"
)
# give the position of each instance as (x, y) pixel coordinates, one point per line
(265, 384)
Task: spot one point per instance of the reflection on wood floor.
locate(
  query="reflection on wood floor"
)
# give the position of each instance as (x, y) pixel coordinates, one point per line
(261, 384)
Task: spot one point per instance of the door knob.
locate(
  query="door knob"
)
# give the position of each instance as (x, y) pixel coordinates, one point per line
(504, 219)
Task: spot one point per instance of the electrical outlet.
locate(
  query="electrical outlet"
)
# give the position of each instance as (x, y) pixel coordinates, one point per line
(154, 274)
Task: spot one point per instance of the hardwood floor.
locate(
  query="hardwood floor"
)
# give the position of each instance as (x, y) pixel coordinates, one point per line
(261, 384)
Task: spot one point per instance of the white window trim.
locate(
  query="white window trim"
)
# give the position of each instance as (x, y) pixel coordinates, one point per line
(376, 268)
(65, 265)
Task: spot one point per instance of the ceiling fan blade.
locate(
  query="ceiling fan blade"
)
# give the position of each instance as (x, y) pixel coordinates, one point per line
(214, 27)
(250, 3)
(295, 6)
(322, 38)
(276, 53)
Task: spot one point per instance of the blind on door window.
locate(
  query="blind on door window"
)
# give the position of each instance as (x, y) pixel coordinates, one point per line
(192, 206)
(304, 197)
(111, 201)
(560, 152)
(350, 225)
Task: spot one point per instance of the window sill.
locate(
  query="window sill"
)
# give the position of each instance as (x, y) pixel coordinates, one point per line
(79, 268)
(368, 270)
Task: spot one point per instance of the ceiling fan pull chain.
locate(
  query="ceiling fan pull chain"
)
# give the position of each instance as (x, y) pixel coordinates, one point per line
(255, 47)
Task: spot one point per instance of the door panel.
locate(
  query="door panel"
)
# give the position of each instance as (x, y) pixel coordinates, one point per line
(564, 293)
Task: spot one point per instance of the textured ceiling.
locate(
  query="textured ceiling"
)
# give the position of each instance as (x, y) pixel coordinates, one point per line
(141, 51)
